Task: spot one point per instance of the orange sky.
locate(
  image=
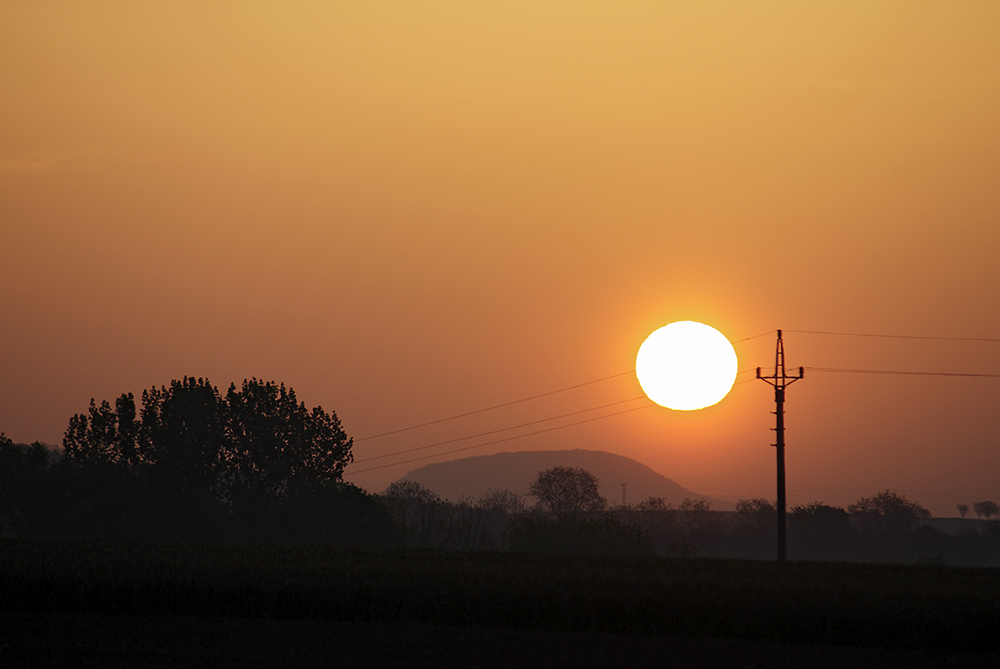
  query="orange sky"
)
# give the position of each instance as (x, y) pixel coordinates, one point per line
(410, 210)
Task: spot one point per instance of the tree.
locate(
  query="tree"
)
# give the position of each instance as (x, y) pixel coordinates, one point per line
(756, 515)
(567, 491)
(817, 518)
(886, 513)
(257, 444)
(274, 444)
(820, 531)
(418, 512)
(23, 471)
(410, 491)
(654, 505)
(181, 438)
(506, 502)
(963, 509)
(696, 515)
(985, 509)
(93, 437)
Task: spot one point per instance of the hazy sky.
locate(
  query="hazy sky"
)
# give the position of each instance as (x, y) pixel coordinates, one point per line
(410, 210)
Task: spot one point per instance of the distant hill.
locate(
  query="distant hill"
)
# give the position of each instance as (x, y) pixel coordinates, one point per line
(471, 477)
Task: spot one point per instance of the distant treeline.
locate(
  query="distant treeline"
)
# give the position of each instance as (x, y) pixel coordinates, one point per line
(256, 466)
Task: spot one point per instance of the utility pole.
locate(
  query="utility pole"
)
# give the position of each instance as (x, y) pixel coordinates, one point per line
(780, 380)
(623, 493)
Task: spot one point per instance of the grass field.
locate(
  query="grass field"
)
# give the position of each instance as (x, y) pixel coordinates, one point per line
(932, 608)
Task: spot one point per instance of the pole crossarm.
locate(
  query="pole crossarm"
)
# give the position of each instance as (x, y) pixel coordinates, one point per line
(780, 380)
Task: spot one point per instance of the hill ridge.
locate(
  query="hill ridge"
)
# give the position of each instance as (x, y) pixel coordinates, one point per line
(514, 470)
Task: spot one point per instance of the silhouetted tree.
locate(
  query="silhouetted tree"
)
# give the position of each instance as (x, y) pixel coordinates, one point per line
(696, 515)
(23, 472)
(410, 491)
(985, 509)
(182, 438)
(567, 491)
(654, 505)
(274, 444)
(886, 513)
(416, 510)
(496, 509)
(963, 509)
(334, 513)
(820, 518)
(503, 501)
(755, 515)
(93, 437)
(820, 531)
(250, 448)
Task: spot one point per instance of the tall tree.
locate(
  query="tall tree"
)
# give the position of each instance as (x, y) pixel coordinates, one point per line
(276, 444)
(93, 436)
(182, 437)
(258, 441)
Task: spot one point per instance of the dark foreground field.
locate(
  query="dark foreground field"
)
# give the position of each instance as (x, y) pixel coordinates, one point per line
(141, 604)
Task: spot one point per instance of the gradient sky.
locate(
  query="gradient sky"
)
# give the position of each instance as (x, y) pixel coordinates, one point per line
(410, 210)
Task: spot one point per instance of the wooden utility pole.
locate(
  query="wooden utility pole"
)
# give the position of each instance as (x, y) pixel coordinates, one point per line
(780, 380)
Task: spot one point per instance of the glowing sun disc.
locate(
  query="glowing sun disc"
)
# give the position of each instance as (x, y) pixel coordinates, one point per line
(686, 365)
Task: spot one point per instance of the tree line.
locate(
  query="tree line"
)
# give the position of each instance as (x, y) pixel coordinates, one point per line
(188, 463)
(564, 513)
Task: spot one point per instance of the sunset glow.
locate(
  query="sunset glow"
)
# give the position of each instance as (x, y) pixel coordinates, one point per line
(415, 210)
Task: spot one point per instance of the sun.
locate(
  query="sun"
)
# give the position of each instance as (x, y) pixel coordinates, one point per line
(686, 365)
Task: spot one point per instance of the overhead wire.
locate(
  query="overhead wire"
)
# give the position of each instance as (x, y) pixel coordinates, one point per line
(893, 336)
(505, 439)
(512, 427)
(607, 378)
(893, 371)
(493, 407)
(523, 399)
(740, 341)
(502, 429)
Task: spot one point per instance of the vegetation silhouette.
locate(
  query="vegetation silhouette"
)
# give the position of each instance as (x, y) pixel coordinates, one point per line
(255, 465)
(256, 442)
(986, 509)
(190, 463)
(567, 491)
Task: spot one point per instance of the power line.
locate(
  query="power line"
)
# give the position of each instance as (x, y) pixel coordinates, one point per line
(495, 406)
(892, 371)
(762, 334)
(586, 383)
(505, 439)
(632, 371)
(503, 429)
(525, 399)
(515, 427)
(893, 336)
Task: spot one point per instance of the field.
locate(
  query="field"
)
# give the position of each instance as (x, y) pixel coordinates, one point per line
(131, 601)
